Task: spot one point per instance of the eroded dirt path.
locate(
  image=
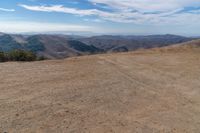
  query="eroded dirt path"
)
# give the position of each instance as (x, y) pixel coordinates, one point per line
(130, 92)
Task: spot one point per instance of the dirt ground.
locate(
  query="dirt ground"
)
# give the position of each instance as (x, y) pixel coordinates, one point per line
(152, 92)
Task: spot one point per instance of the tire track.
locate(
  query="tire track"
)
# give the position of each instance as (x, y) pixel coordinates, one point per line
(127, 76)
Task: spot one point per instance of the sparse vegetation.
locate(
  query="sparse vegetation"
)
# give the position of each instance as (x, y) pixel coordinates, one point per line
(2, 57)
(19, 55)
(34, 44)
(40, 58)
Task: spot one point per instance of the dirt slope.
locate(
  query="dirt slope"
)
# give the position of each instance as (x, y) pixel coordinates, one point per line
(143, 92)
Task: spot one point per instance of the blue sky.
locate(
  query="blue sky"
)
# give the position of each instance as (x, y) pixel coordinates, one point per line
(136, 17)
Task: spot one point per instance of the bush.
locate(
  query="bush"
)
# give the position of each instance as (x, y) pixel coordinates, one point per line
(2, 57)
(21, 55)
(18, 55)
(41, 58)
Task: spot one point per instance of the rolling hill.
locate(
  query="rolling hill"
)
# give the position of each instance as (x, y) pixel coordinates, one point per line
(145, 91)
(62, 46)
(50, 46)
(131, 43)
(192, 46)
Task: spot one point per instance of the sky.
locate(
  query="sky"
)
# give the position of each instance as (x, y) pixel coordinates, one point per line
(127, 17)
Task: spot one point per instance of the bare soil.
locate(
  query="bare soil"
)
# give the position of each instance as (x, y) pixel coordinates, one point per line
(142, 92)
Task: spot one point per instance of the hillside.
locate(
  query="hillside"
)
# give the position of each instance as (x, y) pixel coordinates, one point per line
(193, 46)
(62, 46)
(147, 91)
(50, 46)
(131, 43)
(185, 47)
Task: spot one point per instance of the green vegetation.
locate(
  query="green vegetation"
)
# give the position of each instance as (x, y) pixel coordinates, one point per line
(40, 58)
(34, 44)
(8, 43)
(19, 55)
(2, 57)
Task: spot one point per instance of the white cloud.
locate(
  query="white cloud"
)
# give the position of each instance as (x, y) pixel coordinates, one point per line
(148, 5)
(7, 10)
(60, 8)
(94, 20)
(19, 27)
(134, 11)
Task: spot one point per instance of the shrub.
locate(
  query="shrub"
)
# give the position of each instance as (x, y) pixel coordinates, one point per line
(2, 57)
(21, 55)
(40, 58)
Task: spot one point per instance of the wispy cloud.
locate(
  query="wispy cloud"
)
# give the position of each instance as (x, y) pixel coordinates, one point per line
(129, 11)
(94, 20)
(60, 8)
(7, 10)
(148, 5)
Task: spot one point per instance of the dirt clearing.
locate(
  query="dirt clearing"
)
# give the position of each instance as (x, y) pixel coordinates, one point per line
(120, 93)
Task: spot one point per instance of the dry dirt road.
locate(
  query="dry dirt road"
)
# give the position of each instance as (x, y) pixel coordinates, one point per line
(150, 92)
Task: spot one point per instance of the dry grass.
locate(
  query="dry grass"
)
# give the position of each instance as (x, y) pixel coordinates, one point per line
(145, 92)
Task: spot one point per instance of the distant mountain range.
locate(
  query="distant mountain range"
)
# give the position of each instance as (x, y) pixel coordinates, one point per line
(62, 46)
